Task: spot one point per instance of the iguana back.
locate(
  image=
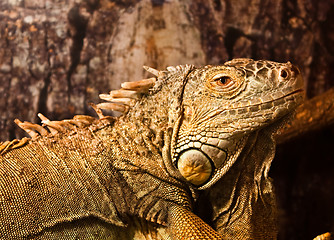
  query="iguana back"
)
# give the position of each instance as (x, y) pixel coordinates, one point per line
(80, 185)
(192, 132)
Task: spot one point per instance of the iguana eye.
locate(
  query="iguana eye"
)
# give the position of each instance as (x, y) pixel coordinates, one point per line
(223, 81)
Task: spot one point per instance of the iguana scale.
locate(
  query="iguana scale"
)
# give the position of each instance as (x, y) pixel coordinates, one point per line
(192, 144)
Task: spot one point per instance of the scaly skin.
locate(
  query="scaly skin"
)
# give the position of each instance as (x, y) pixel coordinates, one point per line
(139, 176)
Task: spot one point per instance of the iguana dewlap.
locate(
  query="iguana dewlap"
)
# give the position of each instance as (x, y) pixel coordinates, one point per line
(187, 135)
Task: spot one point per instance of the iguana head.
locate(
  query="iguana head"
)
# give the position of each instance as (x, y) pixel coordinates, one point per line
(222, 105)
(207, 113)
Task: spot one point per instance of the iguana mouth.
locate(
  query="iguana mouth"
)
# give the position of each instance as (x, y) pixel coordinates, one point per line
(293, 93)
(296, 92)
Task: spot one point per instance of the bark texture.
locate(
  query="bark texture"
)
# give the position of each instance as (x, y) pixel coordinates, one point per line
(57, 56)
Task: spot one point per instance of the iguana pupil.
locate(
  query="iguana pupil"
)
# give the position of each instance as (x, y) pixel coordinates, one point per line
(223, 80)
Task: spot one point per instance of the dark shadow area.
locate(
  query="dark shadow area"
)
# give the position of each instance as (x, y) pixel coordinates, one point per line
(304, 179)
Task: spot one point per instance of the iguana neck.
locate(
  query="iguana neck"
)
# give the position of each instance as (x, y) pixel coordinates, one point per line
(247, 203)
(136, 149)
(138, 137)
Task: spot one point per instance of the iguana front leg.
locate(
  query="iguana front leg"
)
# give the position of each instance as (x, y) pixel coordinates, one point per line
(184, 224)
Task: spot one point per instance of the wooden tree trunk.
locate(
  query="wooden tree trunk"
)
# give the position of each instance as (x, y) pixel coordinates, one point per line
(57, 56)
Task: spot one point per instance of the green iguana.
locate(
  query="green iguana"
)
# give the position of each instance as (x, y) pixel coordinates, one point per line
(193, 144)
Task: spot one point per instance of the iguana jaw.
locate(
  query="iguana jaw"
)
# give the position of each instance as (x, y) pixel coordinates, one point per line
(214, 156)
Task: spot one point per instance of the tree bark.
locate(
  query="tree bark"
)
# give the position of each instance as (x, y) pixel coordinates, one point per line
(57, 56)
(315, 114)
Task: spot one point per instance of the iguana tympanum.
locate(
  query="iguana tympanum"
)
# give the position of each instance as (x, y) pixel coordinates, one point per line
(192, 144)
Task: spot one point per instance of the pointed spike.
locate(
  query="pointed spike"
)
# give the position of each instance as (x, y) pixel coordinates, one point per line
(112, 106)
(139, 86)
(32, 129)
(7, 146)
(53, 126)
(31, 133)
(122, 93)
(46, 122)
(106, 97)
(97, 110)
(171, 68)
(37, 128)
(65, 124)
(22, 125)
(155, 72)
(3, 146)
(125, 101)
(21, 142)
(77, 123)
(42, 117)
(18, 122)
(85, 119)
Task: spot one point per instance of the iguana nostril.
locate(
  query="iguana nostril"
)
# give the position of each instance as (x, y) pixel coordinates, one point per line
(284, 74)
